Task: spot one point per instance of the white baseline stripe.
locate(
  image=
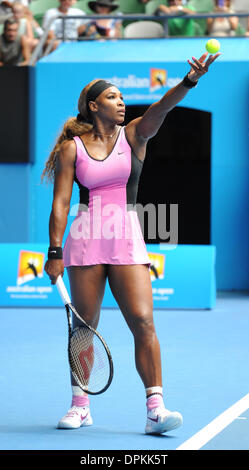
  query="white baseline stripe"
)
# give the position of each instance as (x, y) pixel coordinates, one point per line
(203, 436)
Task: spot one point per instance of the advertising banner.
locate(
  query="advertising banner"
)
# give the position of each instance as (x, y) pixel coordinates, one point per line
(182, 276)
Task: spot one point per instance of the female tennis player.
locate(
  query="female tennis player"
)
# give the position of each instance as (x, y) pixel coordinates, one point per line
(105, 241)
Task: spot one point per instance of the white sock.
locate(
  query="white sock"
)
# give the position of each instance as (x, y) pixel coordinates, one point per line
(153, 390)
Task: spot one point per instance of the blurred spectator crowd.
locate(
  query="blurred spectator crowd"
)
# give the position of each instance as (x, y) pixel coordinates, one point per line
(23, 22)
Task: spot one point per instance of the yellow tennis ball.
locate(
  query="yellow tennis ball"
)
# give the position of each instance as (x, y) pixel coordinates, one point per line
(213, 46)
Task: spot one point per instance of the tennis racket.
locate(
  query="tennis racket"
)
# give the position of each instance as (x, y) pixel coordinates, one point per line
(88, 354)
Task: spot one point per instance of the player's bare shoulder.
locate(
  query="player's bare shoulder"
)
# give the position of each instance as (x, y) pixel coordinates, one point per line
(67, 154)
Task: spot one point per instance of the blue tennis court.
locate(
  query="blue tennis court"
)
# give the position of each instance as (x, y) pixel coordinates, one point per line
(204, 353)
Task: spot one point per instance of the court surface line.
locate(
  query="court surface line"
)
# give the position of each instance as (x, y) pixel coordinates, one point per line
(198, 440)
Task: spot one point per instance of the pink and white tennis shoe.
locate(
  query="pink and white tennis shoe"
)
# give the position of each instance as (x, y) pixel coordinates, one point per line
(160, 420)
(75, 418)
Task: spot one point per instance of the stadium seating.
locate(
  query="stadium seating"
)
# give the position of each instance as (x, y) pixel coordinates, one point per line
(241, 6)
(131, 6)
(205, 6)
(144, 29)
(151, 6)
(39, 8)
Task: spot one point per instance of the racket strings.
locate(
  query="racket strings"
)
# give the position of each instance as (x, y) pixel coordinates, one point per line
(88, 360)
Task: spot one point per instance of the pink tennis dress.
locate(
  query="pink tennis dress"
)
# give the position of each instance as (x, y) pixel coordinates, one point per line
(106, 229)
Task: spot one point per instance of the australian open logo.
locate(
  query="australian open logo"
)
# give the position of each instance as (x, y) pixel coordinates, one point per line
(29, 273)
(30, 266)
(157, 266)
(158, 79)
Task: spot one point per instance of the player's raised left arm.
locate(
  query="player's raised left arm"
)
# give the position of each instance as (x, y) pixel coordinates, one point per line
(148, 125)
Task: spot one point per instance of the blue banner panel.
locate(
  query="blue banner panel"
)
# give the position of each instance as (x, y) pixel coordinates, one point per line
(144, 70)
(183, 276)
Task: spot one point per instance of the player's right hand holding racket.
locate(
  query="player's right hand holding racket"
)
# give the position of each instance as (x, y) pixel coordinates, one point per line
(89, 356)
(54, 268)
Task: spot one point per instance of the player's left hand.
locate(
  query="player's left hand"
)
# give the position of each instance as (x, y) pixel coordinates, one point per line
(201, 66)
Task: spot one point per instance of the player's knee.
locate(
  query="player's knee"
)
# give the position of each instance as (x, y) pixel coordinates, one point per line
(144, 327)
(90, 317)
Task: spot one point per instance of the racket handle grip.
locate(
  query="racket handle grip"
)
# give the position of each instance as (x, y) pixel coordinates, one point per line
(62, 290)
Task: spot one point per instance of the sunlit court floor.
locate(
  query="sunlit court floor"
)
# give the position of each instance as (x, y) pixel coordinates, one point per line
(205, 356)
